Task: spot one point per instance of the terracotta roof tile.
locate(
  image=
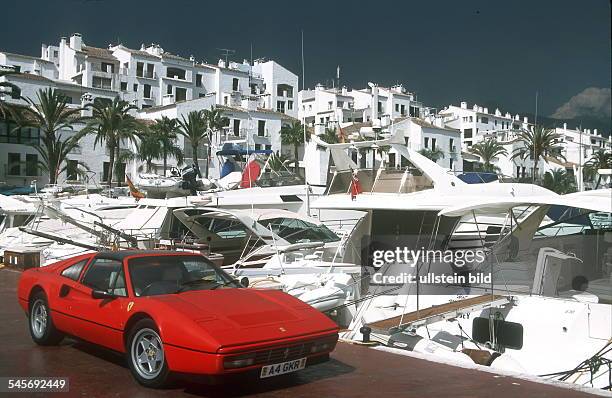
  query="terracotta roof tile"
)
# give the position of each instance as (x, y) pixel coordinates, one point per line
(102, 53)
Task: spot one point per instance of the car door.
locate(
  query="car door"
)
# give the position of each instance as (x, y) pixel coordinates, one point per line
(100, 321)
(61, 306)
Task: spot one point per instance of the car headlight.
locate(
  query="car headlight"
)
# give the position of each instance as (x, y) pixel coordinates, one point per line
(240, 361)
(320, 347)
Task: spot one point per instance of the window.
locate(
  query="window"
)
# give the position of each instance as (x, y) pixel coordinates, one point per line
(379, 107)
(484, 120)
(289, 105)
(101, 82)
(123, 86)
(106, 67)
(330, 105)
(280, 106)
(284, 90)
(518, 171)
(147, 90)
(261, 128)
(104, 172)
(433, 144)
(74, 271)
(181, 94)
(268, 147)
(140, 69)
(135, 87)
(71, 169)
(175, 73)
(14, 164)
(451, 145)
(426, 142)
(396, 107)
(107, 275)
(55, 54)
(495, 123)
(403, 108)
(257, 147)
(471, 118)
(391, 159)
(169, 89)
(198, 81)
(236, 127)
(235, 84)
(31, 164)
(450, 163)
(467, 133)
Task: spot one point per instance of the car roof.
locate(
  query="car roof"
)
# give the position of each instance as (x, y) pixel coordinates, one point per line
(122, 254)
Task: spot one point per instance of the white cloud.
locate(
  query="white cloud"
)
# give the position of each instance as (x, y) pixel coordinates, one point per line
(592, 102)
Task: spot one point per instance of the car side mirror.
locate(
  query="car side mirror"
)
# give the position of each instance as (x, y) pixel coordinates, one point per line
(101, 294)
(244, 282)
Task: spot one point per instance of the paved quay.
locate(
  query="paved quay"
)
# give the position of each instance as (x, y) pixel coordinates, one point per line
(354, 371)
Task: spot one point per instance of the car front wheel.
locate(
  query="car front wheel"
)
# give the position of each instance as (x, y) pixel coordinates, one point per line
(42, 329)
(146, 355)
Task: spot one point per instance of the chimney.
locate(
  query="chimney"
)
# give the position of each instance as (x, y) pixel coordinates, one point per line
(76, 42)
(525, 120)
(564, 126)
(486, 110)
(463, 105)
(595, 132)
(344, 91)
(475, 108)
(497, 112)
(319, 87)
(221, 63)
(62, 41)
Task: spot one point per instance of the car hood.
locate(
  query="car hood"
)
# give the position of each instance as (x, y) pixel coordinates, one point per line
(232, 318)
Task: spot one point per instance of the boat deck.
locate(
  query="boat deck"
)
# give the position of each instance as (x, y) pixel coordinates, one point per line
(354, 371)
(437, 312)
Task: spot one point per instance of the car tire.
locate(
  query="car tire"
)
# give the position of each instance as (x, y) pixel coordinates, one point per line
(145, 355)
(40, 323)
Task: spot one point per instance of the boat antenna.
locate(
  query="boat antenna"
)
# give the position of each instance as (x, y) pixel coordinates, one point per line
(535, 126)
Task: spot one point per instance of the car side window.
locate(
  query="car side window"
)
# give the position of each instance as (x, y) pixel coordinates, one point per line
(107, 275)
(74, 271)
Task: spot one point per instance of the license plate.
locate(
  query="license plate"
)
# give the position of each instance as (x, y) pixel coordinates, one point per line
(282, 368)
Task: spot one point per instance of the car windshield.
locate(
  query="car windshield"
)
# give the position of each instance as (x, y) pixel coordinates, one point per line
(155, 275)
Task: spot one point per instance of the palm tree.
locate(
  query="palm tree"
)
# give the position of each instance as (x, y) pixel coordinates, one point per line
(293, 134)
(330, 136)
(15, 92)
(278, 162)
(216, 122)
(149, 148)
(111, 122)
(195, 129)
(51, 114)
(559, 181)
(432, 154)
(539, 143)
(166, 131)
(488, 150)
(599, 160)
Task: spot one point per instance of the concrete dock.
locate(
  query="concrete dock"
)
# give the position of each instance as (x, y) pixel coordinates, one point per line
(354, 371)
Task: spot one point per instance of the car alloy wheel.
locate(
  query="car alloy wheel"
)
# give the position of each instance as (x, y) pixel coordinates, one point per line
(147, 353)
(38, 319)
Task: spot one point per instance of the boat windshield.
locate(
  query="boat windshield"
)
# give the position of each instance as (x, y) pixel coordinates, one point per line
(300, 231)
(156, 275)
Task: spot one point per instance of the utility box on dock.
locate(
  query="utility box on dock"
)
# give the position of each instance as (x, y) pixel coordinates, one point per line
(22, 258)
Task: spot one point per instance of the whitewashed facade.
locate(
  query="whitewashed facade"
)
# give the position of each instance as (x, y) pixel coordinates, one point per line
(259, 97)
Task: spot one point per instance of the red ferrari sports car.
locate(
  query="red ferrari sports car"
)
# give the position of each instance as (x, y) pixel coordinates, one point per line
(173, 312)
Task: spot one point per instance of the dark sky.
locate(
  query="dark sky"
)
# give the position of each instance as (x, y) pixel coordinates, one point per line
(445, 51)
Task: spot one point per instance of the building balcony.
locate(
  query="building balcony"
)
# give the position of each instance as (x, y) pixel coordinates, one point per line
(147, 75)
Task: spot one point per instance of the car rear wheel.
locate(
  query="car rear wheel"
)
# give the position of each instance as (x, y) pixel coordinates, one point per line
(42, 329)
(146, 355)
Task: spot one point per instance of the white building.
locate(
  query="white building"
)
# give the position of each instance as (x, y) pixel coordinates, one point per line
(149, 78)
(249, 126)
(328, 108)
